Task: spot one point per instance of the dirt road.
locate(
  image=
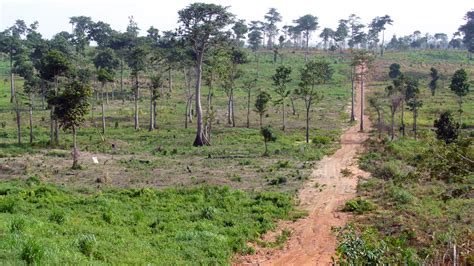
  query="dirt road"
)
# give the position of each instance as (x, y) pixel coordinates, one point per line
(312, 241)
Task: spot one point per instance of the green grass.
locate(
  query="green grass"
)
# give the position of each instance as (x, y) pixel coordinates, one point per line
(63, 225)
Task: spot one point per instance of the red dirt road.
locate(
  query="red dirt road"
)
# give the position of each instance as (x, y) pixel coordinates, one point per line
(312, 242)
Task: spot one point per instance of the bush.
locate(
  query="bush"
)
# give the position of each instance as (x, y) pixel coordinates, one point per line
(279, 180)
(8, 205)
(359, 206)
(87, 244)
(32, 252)
(321, 140)
(17, 225)
(57, 216)
(400, 195)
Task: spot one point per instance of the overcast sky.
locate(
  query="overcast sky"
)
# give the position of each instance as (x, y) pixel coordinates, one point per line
(430, 16)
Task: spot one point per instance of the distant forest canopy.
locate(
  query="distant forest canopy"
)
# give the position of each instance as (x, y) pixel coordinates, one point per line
(306, 31)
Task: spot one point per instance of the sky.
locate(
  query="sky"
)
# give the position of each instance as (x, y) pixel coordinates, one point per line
(427, 16)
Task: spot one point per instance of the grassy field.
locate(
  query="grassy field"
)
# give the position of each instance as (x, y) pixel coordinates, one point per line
(185, 204)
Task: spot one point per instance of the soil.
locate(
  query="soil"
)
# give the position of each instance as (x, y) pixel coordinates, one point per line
(312, 241)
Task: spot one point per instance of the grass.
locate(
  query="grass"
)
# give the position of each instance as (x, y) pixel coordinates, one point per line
(64, 225)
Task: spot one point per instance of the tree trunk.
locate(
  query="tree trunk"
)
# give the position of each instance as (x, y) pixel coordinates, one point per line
(266, 148)
(393, 126)
(121, 77)
(307, 124)
(137, 127)
(353, 94)
(362, 99)
(170, 80)
(414, 121)
(186, 113)
(383, 40)
(152, 111)
(31, 118)
(460, 112)
(258, 65)
(102, 107)
(74, 149)
(248, 109)
(403, 118)
(92, 110)
(56, 124)
(12, 80)
(284, 122)
(18, 118)
(293, 106)
(232, 107)
(113, 90)
(307, 47)
(154, 115)
(200, 137)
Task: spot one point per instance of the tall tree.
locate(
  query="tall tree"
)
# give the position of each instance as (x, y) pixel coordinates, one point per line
(376, 103)
(460, 86)
(54, 65)
(81, 26)
(355, 28)
(202, 26)
(413, 100)
(395, 101)
(362, 62)
(104, 76)
(280, 79)
(307, 24)
(71, 107)
(326, 35)
(312, 74)
(240, 29)
(255, 40)
(378, 25)
(434, 80)
(273, 17)
(249, 85)
(137, 62)
(468, 32)
(341, 34)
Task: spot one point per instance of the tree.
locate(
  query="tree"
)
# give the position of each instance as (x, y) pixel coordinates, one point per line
(272, 17)
(54, 65)
(446, 128)
(341, 34)
(460, 86)
(255, 40)
(281, 78)
(326, 35)
(395, 101)
(103, 76)
(249, 85)
(81, 26)
(232, 72)
(376, 103)
(268, 135)
(261, 105)
(413, 101)
(468, 32)
(156, 83)
(434, 80)
(71, 107)
(240, 29)
(312, 74)
(307, 24)
(394, 71)
(361, 61)
(355, 27)
(107, 59)
(378, 25)
(137, 61)
(202, 25)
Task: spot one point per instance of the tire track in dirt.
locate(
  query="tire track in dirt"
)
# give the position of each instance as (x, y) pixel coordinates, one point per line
(312, 241)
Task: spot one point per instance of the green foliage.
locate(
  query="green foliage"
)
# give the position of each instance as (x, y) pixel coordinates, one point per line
(460, 83)
(280, 79)
(87, 244)
(359, 206)
(321, 140)
(17, 225)
(434, 80)
(32, 252)
(394, 71)
(206, 224)
(57, 216)
(446, 128)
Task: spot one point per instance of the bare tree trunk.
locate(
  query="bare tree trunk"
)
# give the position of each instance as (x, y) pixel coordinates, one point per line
(414, 121)
(18, 118)
(307, 123)
(102, 107)
(362, 99)
(293, 106)
(353, 94)
(56, 124)
(113, 90)
(200, 137)
(460, 112)
(307, 47)
(284, 121)
(383, 40)
(248, 109)
(137, 126)
(403, 118)
(31, 118)
(74, 149)
(170, 81)
(12, 80)
(393, 125)
(186, 114)
(92, 110)
(152, 111)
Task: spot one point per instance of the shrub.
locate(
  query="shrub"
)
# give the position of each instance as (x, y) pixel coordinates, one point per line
(87, 244)
(32, 252)
(400, 195)
(17, 225)
(279, 180)
(57, 217)
(359, 206)
(8, 205)
(321, 140)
